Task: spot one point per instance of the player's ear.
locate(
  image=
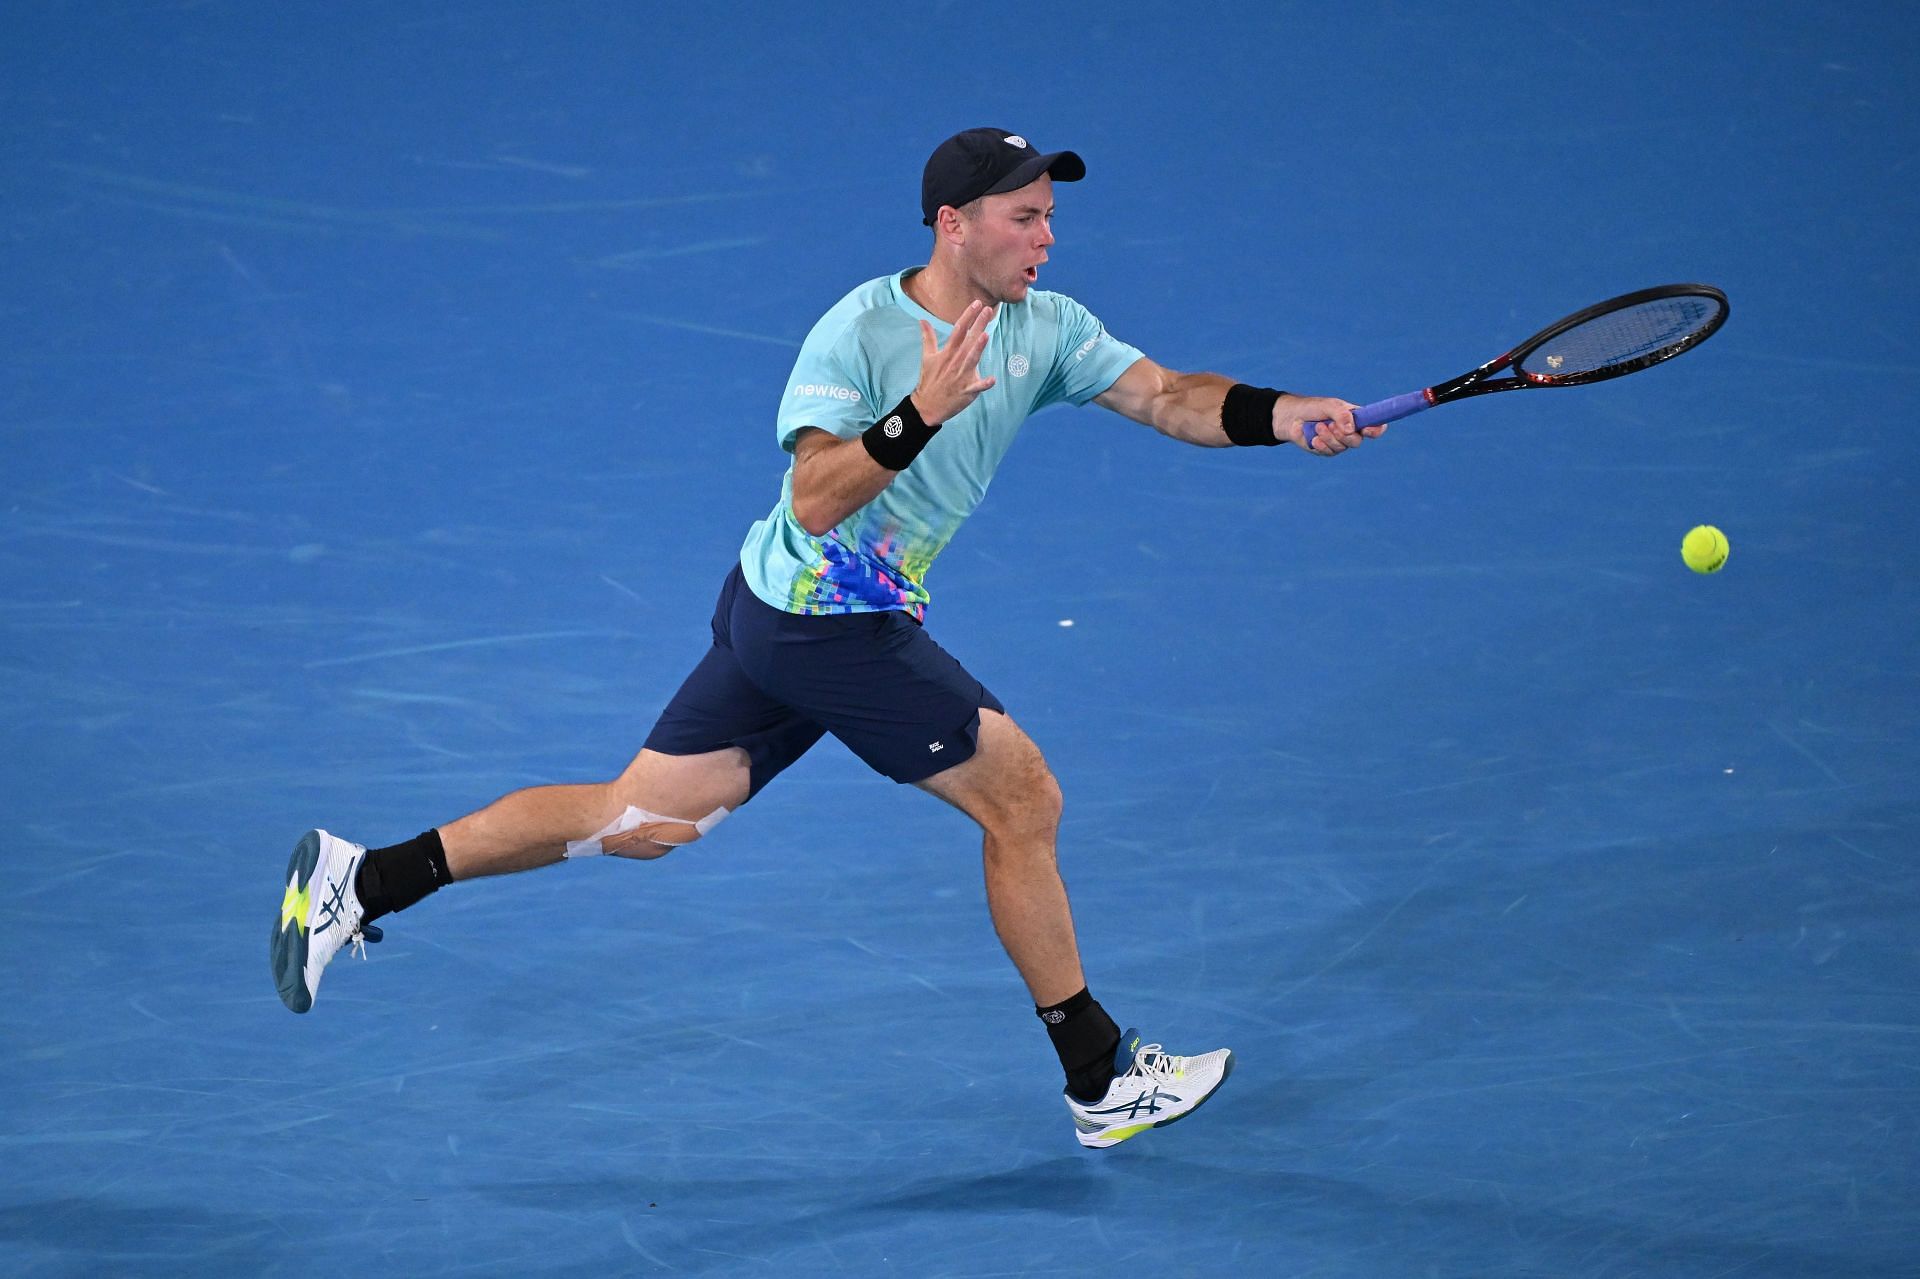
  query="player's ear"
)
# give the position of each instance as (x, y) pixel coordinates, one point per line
(951, 224)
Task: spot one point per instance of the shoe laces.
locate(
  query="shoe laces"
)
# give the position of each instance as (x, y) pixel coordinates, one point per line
(1151, 1061)
(357, 939)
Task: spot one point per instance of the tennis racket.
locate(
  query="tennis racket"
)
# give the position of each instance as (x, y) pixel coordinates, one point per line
(1607, 340)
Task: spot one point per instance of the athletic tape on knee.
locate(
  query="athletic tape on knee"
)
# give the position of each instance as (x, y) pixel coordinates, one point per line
(634, 818)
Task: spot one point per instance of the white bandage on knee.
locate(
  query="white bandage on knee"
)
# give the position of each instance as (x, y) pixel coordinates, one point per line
(669, 832)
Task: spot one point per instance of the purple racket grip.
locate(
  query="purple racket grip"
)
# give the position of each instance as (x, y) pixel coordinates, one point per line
(1381, 411)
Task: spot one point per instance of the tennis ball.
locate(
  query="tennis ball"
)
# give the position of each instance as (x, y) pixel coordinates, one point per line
(1705, 549)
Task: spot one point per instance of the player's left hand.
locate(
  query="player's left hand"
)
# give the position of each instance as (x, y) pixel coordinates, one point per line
(1334, 431)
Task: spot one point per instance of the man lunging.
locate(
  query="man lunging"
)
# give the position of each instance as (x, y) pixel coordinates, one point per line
(904, 399)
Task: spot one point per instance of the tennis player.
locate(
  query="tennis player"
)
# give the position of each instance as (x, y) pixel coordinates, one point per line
(904, 399)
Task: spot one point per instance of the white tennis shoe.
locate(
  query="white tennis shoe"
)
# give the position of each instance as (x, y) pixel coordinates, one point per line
(1151, 1088)
(319, 913)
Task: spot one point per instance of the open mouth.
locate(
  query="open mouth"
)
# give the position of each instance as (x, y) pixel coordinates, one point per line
(1032, 274)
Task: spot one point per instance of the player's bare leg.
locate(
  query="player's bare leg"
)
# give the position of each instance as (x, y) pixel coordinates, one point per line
(1117, 1087)
(532, 827)
(1008, 789)
(335, 888)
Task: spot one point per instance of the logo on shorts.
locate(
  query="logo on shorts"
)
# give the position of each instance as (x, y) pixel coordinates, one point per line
(1015, 140)
(1017, 365)
(934, 748)
(893, 427)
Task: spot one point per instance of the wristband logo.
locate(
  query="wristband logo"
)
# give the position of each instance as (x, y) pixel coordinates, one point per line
(1017, 365)
(893, 427)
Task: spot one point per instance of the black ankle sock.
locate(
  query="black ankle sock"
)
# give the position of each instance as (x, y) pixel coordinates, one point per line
(395, 878)
(1085, 1038)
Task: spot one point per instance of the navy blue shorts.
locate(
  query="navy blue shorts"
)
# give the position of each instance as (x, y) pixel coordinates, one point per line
(774, 682)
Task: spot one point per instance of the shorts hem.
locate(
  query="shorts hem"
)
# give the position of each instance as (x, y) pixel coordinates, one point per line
(952, 756)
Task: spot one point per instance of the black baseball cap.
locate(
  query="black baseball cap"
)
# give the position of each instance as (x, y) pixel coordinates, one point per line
(977, 162)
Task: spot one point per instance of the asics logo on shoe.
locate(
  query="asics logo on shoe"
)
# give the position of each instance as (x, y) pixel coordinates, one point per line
(334, 905)
(1146, 1103)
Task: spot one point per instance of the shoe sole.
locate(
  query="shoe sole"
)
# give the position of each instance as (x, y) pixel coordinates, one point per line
(288, 949)
(1114, 1136)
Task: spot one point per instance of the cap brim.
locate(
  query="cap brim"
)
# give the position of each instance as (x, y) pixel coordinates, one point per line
(1064, 166)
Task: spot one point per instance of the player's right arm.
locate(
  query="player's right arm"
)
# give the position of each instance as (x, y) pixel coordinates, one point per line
(833, 478)
(1187, 407)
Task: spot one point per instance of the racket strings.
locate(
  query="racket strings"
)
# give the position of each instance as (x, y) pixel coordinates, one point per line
(1622, 337)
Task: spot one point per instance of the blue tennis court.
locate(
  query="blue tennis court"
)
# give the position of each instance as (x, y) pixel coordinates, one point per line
(387, 389)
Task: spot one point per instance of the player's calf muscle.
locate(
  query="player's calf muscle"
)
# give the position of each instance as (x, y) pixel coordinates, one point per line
(523, 830)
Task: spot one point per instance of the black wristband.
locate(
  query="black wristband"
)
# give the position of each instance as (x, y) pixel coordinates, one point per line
(896, 439)
(1246, 415)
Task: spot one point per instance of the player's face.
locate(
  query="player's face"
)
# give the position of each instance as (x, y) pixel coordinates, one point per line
(1007, 240)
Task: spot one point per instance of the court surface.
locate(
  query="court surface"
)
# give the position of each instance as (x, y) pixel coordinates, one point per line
(387, 388)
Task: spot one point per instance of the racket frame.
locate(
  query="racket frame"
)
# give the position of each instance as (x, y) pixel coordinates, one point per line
(1481, 381)
(1477, 382)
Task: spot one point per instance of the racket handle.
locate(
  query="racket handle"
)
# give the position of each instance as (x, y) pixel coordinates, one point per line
(1381, 411)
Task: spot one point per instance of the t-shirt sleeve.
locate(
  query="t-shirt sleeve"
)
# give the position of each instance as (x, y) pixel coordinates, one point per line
(831, 387)
(1087, 359)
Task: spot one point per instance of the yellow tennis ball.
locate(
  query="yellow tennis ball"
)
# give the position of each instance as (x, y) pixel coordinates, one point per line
(1705, 549)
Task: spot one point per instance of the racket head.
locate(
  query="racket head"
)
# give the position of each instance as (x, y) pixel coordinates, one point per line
(1621, 335)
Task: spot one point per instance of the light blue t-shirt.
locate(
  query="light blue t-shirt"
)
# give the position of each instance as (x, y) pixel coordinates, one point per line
(861, 359)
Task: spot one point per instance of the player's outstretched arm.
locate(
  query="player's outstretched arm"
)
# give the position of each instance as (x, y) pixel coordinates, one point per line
(833, 478)
(1187, 406)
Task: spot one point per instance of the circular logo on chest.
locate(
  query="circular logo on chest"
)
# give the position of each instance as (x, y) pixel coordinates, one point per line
(1017, 365)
